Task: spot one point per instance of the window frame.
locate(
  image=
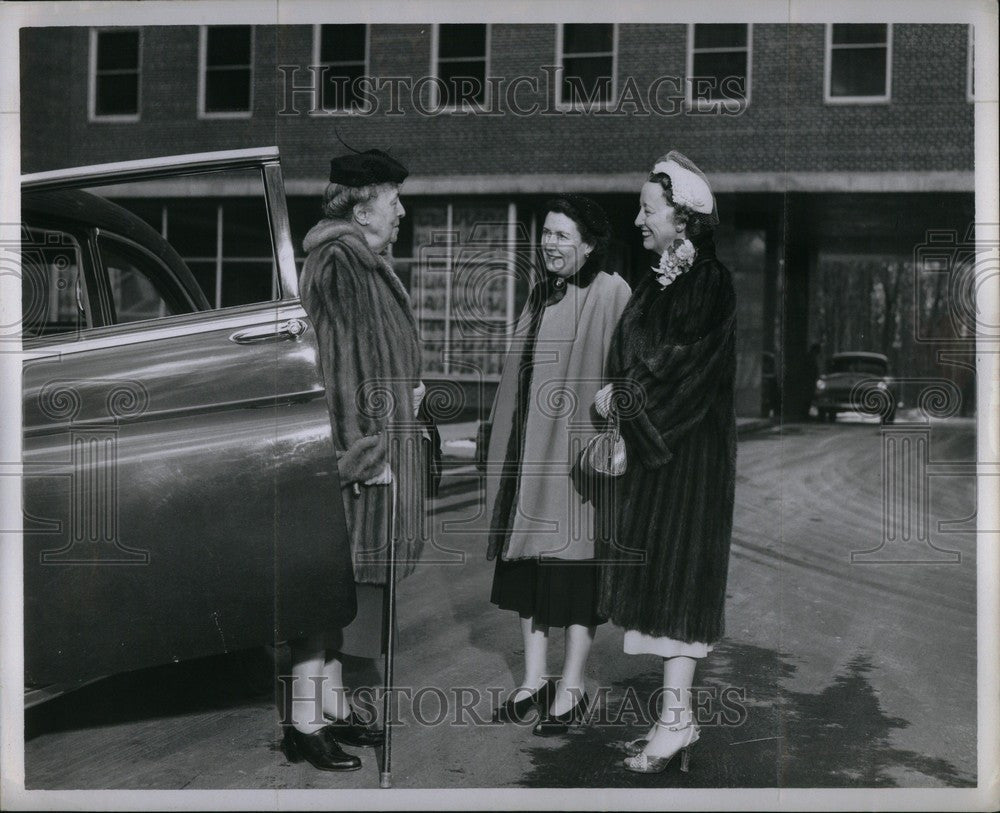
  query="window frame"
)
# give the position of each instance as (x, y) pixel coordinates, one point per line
(970, 58)
(612, 101)
(715, 104)
(828, 70)
(119, 118)
(88, 296)
(167, 286)
(317, 106)
(436, 74)
(203, 77)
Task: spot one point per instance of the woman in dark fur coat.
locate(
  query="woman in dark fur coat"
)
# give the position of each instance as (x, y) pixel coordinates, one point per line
(672, 363)
(368, 349)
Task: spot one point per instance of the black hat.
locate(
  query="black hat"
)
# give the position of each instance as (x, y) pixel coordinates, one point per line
(366, 168)
(588, 215)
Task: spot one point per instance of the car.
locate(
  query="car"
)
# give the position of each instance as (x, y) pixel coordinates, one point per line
(181, 494)
(856, 382)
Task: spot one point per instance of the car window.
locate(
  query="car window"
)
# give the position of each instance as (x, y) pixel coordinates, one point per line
(140, 286)
(857, 365)
(53, 293)
(219, 225)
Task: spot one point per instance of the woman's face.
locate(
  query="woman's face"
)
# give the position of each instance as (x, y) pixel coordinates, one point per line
(656, 219)
(563, 249)
(379, 218)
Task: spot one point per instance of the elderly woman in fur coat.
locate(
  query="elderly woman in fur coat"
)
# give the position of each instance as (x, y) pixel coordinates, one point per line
(673, 363)
(370, 357)
(542, 531)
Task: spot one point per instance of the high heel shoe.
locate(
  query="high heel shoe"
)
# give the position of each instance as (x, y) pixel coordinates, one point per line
(635, 747)
(318, 749)
(552, 724)
(643, 763)
(354, 731)
(513, 711)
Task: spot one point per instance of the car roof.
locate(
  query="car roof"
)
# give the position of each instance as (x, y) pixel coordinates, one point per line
(146, 168)
(79, 208)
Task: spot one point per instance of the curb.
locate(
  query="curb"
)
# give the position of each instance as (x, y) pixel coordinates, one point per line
(754, 426)
(742, 430)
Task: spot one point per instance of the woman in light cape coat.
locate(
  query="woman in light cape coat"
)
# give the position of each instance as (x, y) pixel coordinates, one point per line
(541, 530)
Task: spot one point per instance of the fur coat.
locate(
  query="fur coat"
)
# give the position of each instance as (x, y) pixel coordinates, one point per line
(674, 354)
(543, 415)
(370, 357)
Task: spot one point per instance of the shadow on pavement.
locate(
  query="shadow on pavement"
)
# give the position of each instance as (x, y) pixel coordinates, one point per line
(237, 679)
(838, 737)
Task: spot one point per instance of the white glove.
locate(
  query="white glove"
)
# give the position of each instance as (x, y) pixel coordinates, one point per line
(418, 396)
(381, 479)
(602, 401)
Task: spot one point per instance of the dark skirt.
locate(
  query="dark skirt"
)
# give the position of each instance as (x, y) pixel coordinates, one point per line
(555, 592)
(364, 637)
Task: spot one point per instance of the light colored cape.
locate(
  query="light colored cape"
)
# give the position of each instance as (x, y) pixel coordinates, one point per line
(575, 333)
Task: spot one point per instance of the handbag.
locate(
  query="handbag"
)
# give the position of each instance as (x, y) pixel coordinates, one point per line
(600, 462)
(604, 453)
(430, 441)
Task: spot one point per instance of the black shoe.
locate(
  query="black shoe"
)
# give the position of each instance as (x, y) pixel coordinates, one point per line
(513, 711)
(353, 731)
(552, 724)
(318, 749)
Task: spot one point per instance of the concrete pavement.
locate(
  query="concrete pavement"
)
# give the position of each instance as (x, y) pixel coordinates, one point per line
(833, 673)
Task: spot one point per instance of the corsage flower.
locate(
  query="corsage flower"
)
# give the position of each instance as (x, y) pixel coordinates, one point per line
(674, 261)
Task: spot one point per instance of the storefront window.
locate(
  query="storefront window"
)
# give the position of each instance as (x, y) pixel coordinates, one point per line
(464, 274)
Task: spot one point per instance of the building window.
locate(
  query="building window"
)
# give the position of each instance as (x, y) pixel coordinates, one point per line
(463, 281)
(858, 63)
(461, 56)
(587, 55)
(226, 87)
(341, 57)
(114, 74)
(718, 66)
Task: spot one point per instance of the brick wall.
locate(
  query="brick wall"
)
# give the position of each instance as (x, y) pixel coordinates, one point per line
(928, 124)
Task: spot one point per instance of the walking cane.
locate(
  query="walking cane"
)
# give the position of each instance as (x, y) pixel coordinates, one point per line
(385, 777)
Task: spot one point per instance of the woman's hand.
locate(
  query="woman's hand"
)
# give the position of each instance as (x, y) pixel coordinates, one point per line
(383, 478)
(363, 460)
(602, 401)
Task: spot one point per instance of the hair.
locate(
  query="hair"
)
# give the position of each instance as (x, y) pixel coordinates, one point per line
(593, 224)
(696, 224)
(339, 200)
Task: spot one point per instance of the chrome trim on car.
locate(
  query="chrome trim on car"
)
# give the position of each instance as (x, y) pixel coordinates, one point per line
(267, 402)
(274, 192)
(168, 165)
(290, 330)
(153, 330)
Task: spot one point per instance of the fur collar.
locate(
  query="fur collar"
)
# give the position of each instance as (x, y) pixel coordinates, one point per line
(330, 230)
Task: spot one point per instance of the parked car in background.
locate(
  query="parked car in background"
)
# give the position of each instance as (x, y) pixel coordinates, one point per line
(856, 382)
(181, 492)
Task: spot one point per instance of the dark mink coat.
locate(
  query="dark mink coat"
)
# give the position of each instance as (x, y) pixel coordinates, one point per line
(674, 358)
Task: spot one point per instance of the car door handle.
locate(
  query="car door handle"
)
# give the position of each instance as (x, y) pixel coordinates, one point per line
(291, 329)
